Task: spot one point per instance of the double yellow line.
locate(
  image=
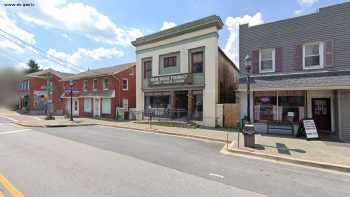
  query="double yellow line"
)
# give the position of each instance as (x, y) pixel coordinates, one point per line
(9, 187)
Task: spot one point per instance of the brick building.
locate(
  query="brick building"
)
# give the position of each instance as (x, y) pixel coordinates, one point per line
(100, 92)
(33, 96)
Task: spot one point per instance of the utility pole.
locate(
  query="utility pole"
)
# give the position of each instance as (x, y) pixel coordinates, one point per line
(49, 90)
(71, 100)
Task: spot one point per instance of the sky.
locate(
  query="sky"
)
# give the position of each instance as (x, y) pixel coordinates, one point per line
(73, 36)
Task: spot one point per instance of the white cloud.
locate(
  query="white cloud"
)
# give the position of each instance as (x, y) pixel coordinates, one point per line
(10, 26)
(21, 66)
(298, 12)
(307, 3)
(64, 35)
(232, 23)
(167, 25)
(78, 17)
(82, 56)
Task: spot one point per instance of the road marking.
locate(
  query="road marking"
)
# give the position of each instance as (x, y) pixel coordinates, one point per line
(216, 175)
(12, 119)
(15, 131)
(9, 187)
(2, 194)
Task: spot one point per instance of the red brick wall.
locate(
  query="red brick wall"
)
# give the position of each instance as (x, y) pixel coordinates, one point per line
(115, 83)
(130, 94)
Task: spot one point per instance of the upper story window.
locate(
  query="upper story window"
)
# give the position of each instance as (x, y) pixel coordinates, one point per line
(267, 60)
(94, 84)
(197, 61)
(85, 85)
(147, 69)
(313, 55)
(169, 61)
(105, 84)
(125, 84)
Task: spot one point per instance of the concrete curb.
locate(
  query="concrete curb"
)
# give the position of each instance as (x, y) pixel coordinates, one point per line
(168, 133)
(54, 125)
(322, 165)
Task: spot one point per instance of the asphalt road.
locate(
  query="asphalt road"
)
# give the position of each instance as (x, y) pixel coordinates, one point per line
(102, 161)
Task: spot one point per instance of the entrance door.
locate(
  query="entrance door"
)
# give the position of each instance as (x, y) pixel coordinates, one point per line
(321, 113)
(75, 110)
(97, 111)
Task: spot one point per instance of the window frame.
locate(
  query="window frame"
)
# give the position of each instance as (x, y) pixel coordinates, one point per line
(85, 106)
(320, 52)
(94, 88)
(147, 60)
(166, 59)
(197, 63)
(273, 58)
(127, 85)
(85, 84)
(127, 103)
(105, 87)
(103, 109)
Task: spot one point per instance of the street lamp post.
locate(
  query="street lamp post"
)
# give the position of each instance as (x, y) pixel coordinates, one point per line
(71, 99)
(248, 63)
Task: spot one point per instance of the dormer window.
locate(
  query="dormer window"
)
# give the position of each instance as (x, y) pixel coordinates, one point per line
(267, 60)
(313, 55)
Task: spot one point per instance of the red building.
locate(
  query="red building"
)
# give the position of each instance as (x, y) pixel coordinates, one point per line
(34, 94)
(101, 92)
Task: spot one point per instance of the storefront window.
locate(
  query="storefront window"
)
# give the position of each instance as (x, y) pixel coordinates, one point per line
(157, 102)
(265, 104)
(285, 106)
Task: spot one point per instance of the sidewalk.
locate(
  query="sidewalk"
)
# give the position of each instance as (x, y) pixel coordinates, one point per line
(316, 153)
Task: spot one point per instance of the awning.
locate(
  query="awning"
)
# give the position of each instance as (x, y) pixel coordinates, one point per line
(305, 81)
(91, 94)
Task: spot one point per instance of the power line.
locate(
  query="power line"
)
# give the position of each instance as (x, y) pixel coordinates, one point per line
(39, 51)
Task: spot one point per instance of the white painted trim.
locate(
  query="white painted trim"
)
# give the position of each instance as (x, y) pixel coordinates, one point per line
(321, 53)
(127, 83)
(340, 130)
(301, 88)
(273, 61)
(296, 73)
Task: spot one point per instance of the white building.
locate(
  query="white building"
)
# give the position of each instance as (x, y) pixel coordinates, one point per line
(183, 72)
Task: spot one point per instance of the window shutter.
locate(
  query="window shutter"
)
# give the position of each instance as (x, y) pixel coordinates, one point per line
(298, 58)
(255, 62)
(279, 59)
(329, 52)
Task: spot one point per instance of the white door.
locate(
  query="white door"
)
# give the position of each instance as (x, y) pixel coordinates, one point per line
(75, 107)
(97, 105)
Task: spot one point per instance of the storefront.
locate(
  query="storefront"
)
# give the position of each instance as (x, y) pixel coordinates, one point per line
(175, 104)
(285, 106)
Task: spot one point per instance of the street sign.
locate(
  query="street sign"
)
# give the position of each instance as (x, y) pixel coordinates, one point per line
(67, 91)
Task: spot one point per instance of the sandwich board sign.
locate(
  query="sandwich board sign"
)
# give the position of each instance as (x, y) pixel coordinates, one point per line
(310, 129)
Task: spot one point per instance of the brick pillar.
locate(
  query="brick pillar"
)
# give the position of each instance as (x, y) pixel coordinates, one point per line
(189, 104)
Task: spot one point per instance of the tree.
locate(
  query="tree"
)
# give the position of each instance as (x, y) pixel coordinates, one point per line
(33, 67)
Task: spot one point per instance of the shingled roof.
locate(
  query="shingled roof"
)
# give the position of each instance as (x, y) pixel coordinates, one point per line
(100, 72)
(305, 81)
(49, 70)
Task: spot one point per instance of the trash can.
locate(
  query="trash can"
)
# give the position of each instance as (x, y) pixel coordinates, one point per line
(249, 135)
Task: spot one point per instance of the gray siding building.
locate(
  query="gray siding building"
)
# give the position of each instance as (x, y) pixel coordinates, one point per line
(300, 69)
